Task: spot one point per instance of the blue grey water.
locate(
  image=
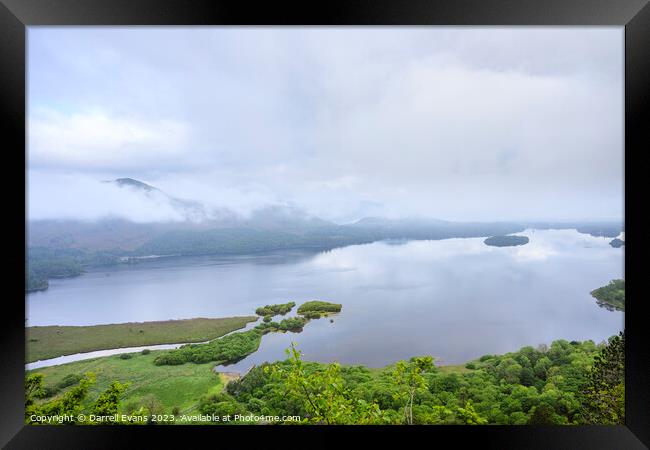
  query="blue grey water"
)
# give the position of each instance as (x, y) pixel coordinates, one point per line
(454, 299)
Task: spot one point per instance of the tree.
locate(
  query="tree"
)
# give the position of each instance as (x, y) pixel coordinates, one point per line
(153, 407)
(408, 377)
(542, 415)
(469, 416)
(33, 389)
(108, 402)
(69, 404)
(603, 393)
(323, 392)
(542, 367)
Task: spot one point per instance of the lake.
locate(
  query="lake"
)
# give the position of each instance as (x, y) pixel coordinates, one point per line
(454, 299)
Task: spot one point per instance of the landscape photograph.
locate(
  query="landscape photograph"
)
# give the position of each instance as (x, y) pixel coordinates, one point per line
(324, 226)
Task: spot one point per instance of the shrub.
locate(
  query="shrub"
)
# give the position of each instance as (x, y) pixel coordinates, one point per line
(169, 359)
(69, 380)
(274, 310)
(48, 391)
(294, 324)
(126, 356)
(226, 350)
(146, 351)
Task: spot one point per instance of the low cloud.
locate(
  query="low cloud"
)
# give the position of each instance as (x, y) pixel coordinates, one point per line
(97, 140)
(454, 123)
(64, 196)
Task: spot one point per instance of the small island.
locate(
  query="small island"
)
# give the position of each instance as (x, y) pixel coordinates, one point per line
(316, 309)
(612, 296)
(617, 243)
(268, 311)
(506, 241)
(236, 346)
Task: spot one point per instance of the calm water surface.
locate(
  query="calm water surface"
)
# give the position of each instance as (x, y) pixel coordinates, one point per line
(455, 299)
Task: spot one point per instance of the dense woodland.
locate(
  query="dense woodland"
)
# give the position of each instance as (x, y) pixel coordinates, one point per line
(564, 383)
(548, 385)
(42, 264)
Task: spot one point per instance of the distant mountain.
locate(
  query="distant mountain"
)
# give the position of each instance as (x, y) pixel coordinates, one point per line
(382, 222)
(190, 210)
(119, 234)
(213, 230)
(610, 228)
(281, 216)
(130, 182)
(65, 247)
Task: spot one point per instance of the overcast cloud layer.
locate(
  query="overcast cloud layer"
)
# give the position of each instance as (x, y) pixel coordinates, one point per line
(453, 123)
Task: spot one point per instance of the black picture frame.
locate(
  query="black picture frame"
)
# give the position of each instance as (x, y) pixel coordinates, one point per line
(633, 15)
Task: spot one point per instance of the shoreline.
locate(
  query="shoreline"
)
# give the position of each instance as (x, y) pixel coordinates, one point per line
(69, 341)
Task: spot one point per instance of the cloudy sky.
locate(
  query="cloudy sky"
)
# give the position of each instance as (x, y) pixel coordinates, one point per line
(453, 123)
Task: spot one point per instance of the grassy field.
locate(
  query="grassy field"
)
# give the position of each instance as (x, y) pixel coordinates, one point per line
(53, 341)
(173, 386)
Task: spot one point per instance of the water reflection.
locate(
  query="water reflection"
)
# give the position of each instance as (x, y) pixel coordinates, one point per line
(455, 299)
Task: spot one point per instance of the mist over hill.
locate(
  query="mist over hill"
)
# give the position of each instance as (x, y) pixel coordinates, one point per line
(198, 228)
(64, 247)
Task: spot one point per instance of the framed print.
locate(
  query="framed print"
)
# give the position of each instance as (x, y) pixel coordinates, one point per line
(365, 218)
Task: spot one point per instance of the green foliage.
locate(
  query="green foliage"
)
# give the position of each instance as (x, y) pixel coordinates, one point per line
(408, 378)
(220, 405)
(562, 383)
(543, 414)
(69, 380)
(323, 393)
(180, 386)
(43, 263)
(126, 356)
(321, 307)
(145, 351)
(293, 324)
(603, 392)
(226, 350)
(68, 404)
(151, 406)
(44, 342)
(611, 296)
(274, 310)
(531, 385)
(469, 416)
(108, 402)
